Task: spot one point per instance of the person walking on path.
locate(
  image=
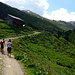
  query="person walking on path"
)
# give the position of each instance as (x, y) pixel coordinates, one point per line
(2, 46)
(9, 45)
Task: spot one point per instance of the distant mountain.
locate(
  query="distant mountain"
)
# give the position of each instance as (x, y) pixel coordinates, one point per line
(31, 19)
(63, 25)
(72, 22)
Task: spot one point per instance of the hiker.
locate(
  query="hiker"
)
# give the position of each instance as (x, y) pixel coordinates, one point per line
(9, 45)
(2, 46)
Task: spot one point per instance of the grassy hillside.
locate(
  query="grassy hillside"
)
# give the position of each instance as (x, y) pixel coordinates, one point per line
(70, 36)
(12, 31)
(30, 20)
(44, 54)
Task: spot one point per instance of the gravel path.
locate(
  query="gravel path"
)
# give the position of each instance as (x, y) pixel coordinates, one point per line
(1, 63)
(10, 65)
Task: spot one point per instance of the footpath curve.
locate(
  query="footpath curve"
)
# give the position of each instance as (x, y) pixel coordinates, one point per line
(10, 65)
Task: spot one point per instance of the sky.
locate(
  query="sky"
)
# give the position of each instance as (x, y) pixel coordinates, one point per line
(51, 9)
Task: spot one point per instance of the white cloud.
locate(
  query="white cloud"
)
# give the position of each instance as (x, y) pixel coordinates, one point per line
(61, 14)
(40, 7)
(42, 3)
(37, 6)
(10, 0)
(21, 7)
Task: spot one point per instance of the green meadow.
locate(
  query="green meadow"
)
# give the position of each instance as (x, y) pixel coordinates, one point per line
(44, 54)
(13, 31)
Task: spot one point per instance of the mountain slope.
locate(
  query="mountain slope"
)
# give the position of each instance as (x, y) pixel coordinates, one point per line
(30, 20)
(63, 25)
(12, 31)
(72, 22)
(44, 54)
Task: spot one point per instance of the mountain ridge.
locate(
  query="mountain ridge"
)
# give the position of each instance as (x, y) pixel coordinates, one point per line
(30, 20)
(70, 25)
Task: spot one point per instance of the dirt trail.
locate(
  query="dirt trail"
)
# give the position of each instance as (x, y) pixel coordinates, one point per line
(11, 66)
(1, 63)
